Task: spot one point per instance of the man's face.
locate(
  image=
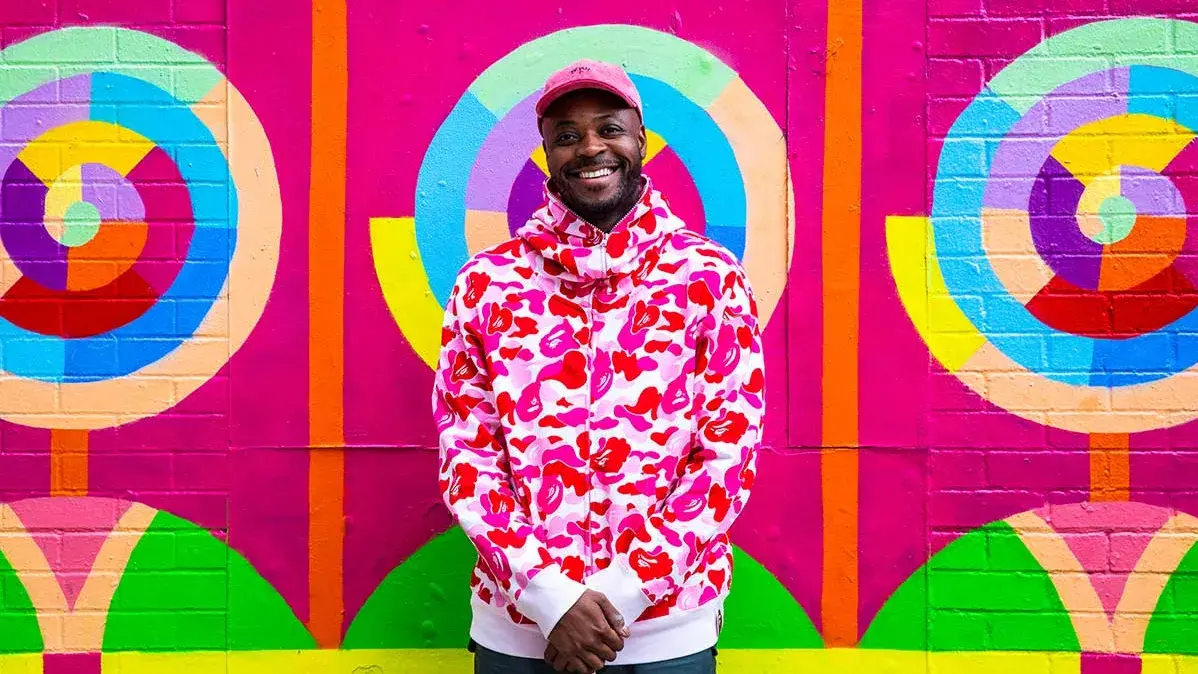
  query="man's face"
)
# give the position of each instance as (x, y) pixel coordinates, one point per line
(594, 146)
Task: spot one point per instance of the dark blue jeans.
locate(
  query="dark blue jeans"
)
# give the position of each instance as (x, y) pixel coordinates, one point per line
(490, 662)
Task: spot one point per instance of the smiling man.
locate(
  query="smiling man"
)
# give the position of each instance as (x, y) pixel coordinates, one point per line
(599, 399)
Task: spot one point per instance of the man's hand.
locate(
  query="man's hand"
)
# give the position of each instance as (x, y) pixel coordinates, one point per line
(588, 635)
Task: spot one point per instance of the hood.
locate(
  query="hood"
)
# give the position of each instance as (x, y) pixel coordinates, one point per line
(572, 249)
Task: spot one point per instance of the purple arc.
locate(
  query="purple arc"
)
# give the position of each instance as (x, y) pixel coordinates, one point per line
(22, 231)
(1060, 242)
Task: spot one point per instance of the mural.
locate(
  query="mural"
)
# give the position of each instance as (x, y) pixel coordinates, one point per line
(227, 231)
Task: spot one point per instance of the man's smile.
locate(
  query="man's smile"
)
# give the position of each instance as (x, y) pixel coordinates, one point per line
(595, 177)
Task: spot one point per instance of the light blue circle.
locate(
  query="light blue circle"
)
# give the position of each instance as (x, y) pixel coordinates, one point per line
(686, 127)
(173, 319)
(957, 202)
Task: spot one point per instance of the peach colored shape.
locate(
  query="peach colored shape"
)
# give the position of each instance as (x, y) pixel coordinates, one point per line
(1007, 239)
(760, 150)
(485, 229)
(67, 629)
(1083, 409)
(1124, 631)
(1070, 580)
(1148, 579)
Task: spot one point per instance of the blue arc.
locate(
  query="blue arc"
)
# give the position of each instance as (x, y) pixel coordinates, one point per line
(686, 127)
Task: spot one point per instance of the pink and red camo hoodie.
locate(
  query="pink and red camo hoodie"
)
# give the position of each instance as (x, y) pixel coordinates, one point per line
(599, 399)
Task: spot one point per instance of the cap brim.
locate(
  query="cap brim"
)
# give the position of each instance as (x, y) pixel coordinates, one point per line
(547, 99)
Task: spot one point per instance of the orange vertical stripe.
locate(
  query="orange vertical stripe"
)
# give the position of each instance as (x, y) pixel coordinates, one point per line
(841, 259)
(68, 462)
(326, 322)
(838, 469)
(326, 545)
(1110, 467)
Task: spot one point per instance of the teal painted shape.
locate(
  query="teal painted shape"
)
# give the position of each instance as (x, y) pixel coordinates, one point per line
(184, 590)
(78, 50)
(425, 603)
(1091, 48)
(983, 592)
(694, 72)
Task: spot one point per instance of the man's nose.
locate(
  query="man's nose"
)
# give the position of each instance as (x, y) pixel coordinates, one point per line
(592, 145)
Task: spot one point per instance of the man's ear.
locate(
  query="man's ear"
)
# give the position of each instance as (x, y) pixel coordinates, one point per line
(643, 140)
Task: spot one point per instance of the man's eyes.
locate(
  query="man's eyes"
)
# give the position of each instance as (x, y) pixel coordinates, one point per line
(609, 130)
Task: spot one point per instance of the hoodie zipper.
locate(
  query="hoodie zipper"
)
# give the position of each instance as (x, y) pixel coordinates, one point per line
(587, 428)
(590, 360)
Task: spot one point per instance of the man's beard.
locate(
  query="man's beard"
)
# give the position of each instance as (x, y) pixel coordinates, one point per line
(608, 210)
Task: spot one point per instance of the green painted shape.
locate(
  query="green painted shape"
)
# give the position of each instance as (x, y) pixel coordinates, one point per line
(184, 590)
(81, 222)
(1118, 215)
(761, 613)
(693, 71)
(425, 603)
(19, 630)
(983, 591)
(83, 50)
(1091, 48)
(1173, 627)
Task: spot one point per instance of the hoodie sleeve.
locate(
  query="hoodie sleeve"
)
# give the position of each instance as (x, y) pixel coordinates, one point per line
(476, 482)
(655, 555)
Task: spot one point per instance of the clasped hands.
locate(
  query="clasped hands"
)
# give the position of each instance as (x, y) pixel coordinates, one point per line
(588, 636)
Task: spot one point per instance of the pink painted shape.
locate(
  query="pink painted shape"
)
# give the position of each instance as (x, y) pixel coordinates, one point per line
(671, 176)
(77, 555)
(1110, 517)
(71, 663)
(890, 559)
(1110, 663)
(267, 388)
(801, 370)
(70, 514)
(24, 462)
(269, 526)
(892, 360)
(388, 524)
(70, 532)
(1091, 531)
(780, 527)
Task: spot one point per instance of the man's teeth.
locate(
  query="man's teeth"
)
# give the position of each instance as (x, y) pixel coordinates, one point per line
(597, 173)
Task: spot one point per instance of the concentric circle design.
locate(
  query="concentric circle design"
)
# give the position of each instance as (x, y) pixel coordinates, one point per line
(715, 151)
(122, 224)
(1062, 227)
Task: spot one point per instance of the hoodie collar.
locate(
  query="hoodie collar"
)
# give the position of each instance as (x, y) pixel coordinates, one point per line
(572, 249)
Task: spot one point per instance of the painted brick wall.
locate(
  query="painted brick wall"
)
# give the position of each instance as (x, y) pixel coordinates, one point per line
(227, 231)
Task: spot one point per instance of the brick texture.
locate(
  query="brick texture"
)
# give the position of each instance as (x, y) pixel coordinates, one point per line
(991, 273)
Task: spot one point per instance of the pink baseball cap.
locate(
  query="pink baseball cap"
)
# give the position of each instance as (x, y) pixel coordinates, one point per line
(588, 74)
